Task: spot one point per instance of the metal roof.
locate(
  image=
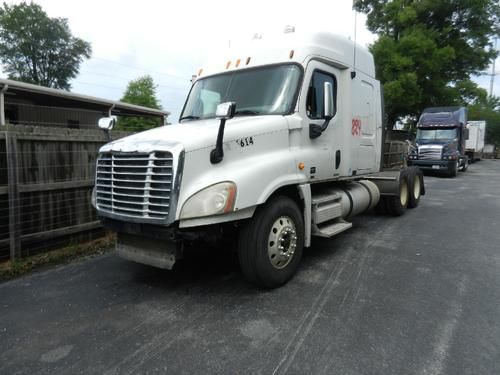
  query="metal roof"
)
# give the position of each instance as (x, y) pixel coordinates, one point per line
(68, 99)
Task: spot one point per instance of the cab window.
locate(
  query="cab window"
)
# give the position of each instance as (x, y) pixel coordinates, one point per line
(314, 103)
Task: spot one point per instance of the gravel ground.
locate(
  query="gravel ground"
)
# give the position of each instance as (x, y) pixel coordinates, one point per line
(418, 294)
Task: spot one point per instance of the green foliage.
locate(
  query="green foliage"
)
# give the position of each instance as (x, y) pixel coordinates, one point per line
(427, 50)
(141, 91)
(488, 110)
(19, 267)
(37, 49)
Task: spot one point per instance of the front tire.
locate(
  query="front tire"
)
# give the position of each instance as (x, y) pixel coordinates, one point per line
(270, 244)
(453, 172)
(465, 164)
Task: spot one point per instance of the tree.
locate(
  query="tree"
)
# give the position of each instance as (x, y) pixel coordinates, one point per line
(37, 49)
(141, 91)
(427, 50)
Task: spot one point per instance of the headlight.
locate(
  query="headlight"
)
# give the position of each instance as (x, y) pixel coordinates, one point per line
(213, 200)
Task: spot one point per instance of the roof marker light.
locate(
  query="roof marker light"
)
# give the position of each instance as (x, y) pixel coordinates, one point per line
(291, 53)
(200, 72)
(238, 62)
(248, 60)
(228, 64)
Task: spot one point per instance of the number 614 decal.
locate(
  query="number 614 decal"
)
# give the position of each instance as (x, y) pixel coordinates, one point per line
(244, 142)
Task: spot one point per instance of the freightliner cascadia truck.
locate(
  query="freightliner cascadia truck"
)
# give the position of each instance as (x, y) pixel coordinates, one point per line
(440, 141)
(274, 145)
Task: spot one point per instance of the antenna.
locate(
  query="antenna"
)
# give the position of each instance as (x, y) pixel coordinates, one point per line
(353, 73)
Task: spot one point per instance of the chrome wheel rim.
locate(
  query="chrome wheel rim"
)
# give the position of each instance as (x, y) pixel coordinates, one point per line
(403, 194)
(416, 188)
(282, 242)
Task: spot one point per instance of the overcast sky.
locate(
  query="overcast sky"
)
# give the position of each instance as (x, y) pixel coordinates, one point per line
(170, 40)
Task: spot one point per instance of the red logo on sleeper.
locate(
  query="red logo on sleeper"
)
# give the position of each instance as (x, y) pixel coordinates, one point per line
(356, 126)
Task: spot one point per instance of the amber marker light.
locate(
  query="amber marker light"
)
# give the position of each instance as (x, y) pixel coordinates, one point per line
(228, 64)
(200, 72)
(230, 199)
(301, 166)
(238, 62)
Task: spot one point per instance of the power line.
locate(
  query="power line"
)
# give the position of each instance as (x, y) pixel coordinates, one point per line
(140, 68)
(129, 79)
(99, 85)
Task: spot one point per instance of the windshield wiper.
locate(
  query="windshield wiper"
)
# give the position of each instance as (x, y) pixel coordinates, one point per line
(246, 112)
(190, 117)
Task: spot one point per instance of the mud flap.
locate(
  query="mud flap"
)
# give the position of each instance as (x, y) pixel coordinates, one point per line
(153, 252)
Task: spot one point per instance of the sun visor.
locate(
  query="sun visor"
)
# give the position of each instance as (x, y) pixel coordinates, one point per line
(443, 117)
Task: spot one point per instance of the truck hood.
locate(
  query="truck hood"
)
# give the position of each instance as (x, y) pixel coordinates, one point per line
(440, 142)
(192, 135)
(448, 145)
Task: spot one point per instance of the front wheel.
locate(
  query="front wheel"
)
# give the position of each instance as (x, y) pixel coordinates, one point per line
(270, 244)
(465, 164)
(453, 172)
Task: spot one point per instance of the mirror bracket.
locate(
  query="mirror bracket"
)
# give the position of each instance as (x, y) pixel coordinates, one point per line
(224, 112)
(316, 130)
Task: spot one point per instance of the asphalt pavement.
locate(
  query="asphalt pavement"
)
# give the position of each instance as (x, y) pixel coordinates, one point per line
(419, 294)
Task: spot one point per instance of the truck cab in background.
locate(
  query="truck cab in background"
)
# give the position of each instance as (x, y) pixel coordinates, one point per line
(440, 140)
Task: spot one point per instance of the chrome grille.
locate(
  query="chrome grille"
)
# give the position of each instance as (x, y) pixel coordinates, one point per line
(430, 152)
(137, 185)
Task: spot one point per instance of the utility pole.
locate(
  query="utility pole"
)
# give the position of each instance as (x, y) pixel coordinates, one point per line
(493, 73)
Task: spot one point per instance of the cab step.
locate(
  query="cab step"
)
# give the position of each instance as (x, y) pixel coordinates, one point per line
(325, 207)
(331, 229)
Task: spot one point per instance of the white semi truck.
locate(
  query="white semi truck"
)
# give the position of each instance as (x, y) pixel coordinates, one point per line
(273, 147)
(474, 145)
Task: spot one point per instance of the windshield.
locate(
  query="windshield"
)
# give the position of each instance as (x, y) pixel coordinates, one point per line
(432, 134)
(262, 91)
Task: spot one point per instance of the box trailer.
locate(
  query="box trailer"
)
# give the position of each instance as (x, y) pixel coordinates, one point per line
(474, 145)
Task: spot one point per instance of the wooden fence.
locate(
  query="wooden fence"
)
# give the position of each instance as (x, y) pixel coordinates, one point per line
(46, 181)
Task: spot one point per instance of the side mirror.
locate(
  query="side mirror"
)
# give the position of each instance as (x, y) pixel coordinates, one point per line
(466, 134)
(329, 109)
(107, 123)
(225, 110)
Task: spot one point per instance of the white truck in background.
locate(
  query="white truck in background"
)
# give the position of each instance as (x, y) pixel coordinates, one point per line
(273, 146)
(474, 146)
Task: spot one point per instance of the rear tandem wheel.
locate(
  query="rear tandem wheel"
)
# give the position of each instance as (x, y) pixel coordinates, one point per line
(396, 205)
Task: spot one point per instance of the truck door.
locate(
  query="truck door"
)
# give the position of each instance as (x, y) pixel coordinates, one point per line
(365, 132)
(323, 155)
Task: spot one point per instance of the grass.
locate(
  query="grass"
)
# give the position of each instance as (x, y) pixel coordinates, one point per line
(74, 252)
